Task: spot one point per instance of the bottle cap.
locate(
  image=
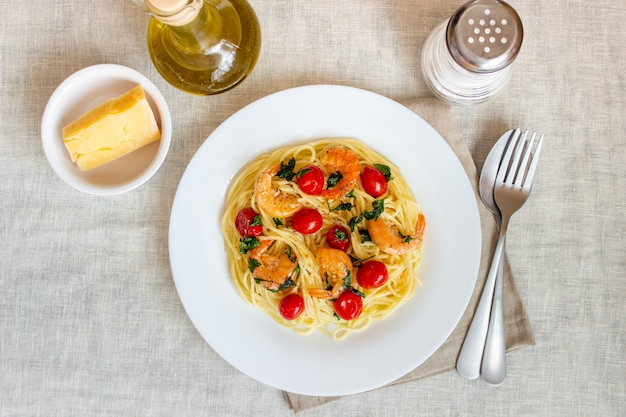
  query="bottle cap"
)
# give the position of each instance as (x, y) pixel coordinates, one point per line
(174, 12)
(484, 35)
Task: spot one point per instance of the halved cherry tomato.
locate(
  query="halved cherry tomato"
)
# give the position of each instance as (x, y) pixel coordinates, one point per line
(310, 179)
(373, 181)
(307, 221)
(348, 305)
(248, 224)
(338, 237)
(291, 306)
(372, 274)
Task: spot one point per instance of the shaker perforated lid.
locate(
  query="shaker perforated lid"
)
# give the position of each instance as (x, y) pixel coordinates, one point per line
(174, 12)
(484, 35)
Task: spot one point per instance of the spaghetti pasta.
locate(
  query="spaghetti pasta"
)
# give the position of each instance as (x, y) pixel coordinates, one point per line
(397, 207)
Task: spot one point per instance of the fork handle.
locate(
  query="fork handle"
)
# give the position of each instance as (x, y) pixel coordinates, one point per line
(493, 367)
(470, 358)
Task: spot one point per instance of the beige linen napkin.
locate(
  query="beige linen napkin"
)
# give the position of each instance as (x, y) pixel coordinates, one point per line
(519, 332)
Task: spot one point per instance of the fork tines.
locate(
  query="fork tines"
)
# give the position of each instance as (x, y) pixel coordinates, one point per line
(522, 155)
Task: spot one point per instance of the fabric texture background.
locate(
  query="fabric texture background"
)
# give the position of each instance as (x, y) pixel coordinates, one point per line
(90, 320)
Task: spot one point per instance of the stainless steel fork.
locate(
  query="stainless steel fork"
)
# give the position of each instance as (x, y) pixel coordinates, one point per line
(511, 190)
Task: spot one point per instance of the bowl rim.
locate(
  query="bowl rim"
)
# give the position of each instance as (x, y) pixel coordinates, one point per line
(53, 148)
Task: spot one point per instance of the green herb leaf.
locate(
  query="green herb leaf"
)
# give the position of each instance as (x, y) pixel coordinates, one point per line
(247, 244)
(278, 222)
(290, 255)
(365, 235)
(347, 280)
(287, 284)
(354, 221)
(343, 206)
(257, 221)
(385, 170)
(405, 238)
(378, 206)
(357, 292)
(328, 286)
(333, 179)
(351, 194)
(252, 264)
(286, 171)
(303, 171)
(357, 263)
(340, 235)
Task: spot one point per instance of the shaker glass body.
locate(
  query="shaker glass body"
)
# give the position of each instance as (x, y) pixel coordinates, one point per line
(451, 82)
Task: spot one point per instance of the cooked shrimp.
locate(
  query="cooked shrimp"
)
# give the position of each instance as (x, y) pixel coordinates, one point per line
(344, 162)
(389, 239)
(275, 202)
(272, 271)
(334, 266)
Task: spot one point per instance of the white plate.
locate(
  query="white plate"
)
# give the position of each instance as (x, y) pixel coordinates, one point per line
(314, 364)
(84, 90)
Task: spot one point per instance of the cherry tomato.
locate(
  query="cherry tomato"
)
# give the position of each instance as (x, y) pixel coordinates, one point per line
(338, 237)
(310, 179)
(307, 221)
(372, 274)
(373, 181)
(348, 305)
(246, 224)
(291, 306)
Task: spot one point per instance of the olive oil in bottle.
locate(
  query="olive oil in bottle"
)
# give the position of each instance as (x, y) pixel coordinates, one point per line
(203, 46)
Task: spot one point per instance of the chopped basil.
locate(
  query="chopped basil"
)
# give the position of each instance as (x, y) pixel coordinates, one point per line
(357, 292)
(385, 170)
(343, 206)
(357, 263)
(354, 221)
(252, 264)
(351, 194)
(347, 280)
(278, 222)
(333, 179)
(378, 206)
(247, 244)
(405, 238)
(287, 284)
(328, 286)
(290, 255)
(286, 171)
(365, 235)
(256, 221)
(340, 235)
(303, 171)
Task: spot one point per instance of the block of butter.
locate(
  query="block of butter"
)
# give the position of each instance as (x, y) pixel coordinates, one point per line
(113, 129)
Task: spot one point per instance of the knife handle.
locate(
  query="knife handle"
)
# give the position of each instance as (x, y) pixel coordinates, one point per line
(470, 358)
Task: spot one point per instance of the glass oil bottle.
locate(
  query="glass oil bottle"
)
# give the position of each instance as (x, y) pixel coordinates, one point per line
(203, 47)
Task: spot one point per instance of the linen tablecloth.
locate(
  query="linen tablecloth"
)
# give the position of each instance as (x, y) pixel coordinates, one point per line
(90, 321)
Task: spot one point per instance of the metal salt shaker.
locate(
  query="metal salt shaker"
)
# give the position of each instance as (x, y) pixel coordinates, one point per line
(467, 58)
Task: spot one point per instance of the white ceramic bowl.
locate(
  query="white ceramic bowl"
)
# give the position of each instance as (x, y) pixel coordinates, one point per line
(83, 91)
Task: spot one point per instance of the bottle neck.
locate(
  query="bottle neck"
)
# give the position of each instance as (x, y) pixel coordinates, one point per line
(201, 29)
(174, 13)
